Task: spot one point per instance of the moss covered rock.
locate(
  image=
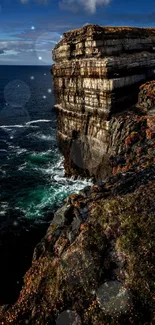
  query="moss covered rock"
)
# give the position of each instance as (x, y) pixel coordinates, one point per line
(95, 265)
(105, 275)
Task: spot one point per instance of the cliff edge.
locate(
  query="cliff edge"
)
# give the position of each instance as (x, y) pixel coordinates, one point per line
(97, 72)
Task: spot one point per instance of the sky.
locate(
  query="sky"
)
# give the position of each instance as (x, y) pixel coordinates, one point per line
(29, 29)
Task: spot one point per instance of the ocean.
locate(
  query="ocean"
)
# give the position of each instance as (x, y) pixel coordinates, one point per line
(31, 167)
(32, 181)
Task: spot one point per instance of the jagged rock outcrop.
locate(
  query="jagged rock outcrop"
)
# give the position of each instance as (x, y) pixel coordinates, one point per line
(95, 264)
(97, 73)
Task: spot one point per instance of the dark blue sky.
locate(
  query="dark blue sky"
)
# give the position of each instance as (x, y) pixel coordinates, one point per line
(30, 28)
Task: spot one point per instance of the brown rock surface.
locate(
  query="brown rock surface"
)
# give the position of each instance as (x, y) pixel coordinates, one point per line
(146, 98)
(97, 74)
(96, 261)
(95, 264)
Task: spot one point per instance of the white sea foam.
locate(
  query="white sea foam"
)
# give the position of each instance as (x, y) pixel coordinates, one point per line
(20, 150)
(56, 188)
(38, 121)
(13, 126)
(3, 208)
(45, 137)
(22, 167)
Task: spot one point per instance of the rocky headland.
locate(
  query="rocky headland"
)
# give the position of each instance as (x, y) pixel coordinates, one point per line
(95, 265)
(97, 74)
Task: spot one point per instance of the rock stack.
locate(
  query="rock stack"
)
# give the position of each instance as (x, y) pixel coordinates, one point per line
(97, 73)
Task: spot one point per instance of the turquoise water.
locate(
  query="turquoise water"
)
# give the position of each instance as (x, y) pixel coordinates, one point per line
(32, 182)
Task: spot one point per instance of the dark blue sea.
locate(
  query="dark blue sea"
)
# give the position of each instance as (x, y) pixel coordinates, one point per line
(32, 178)
(32, 181)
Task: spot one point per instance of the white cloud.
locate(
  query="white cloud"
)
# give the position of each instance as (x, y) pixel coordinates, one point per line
(89, 5)
(43, 1)
(24, 1)
(39, 1)
(32, 51)
(10, 52)
(16, 45)
(73, 5)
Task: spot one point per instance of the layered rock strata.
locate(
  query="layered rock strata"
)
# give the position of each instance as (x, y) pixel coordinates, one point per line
(97, 73)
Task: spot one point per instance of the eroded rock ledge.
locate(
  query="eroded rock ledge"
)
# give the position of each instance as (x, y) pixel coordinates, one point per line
(97, 74)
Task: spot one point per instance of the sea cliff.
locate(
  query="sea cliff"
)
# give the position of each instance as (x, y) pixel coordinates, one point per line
(97, 72)
(95, 264)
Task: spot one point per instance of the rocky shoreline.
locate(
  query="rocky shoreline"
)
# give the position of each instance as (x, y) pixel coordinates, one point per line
(103, 235)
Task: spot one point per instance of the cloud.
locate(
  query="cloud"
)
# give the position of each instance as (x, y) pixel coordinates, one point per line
(38, 1)
(2, 51)
(89, 5)
(15, 45)
(43, 1)
(30, 50)
(24, 1)
(18, 52)
(11, 52)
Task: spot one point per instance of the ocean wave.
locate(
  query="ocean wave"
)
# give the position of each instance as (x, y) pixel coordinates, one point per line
(52, 194)
(45, 137)
(38, 121)
(12, 126)
(35, 181)
(20, 150)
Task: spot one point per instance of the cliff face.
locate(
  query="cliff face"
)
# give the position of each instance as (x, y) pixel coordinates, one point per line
(95, 264)
(97, 73)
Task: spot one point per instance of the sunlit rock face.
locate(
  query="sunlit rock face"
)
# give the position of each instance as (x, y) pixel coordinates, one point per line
(97, 74)
(146, 97)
